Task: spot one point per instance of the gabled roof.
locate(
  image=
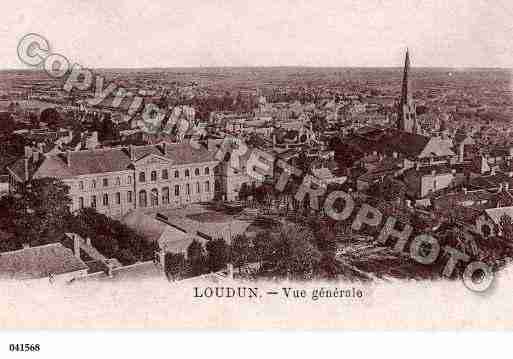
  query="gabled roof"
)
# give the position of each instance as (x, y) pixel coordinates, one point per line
(39, 262)
(495, 214)
(108, 160)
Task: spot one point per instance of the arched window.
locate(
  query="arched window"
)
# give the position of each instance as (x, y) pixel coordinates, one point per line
(165, 195)
(198, 187)
(154, 176)
(177, 174)
(81, 202)
(118, 181)
(217, 186)
(196, 172)
(207, 186)
(142, 199)
(154, 199)
(93, 184)
(187, 173)
(177, 190)
(142, 177)
(93, 201)
(165, 174)
(188, 188)
(207, 170)
(105, 199)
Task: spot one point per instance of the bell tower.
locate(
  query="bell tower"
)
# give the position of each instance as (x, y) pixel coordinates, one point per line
(407, 114)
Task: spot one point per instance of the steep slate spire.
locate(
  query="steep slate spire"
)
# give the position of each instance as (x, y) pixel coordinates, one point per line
(407, 113)
(406, 97)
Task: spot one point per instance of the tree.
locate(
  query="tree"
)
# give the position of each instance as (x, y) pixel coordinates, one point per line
(176, 266)
(39, 212)
(218, 254)
(196, 258)
(50, 116)
(240, 251)
(506, 225)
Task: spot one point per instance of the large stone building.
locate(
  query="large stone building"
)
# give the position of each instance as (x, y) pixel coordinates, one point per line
(118, 180)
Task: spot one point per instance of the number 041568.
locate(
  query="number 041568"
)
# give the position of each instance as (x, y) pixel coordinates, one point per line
(24, 347)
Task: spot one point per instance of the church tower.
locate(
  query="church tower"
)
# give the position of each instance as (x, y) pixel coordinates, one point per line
(407, 114)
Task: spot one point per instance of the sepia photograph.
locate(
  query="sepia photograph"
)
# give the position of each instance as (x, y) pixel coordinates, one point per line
(266, 165)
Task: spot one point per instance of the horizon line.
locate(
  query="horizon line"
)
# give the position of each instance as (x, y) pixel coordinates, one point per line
(272, 67)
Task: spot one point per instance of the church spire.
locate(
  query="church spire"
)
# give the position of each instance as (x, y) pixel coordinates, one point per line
(407, 116)
(406, 90)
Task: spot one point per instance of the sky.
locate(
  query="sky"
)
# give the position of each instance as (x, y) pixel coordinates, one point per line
(193, 33)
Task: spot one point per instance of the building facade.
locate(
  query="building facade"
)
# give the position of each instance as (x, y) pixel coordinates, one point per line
(115, 181)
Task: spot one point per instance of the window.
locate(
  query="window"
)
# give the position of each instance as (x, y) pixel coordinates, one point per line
(105, 182)
(177, 190)
(129, 179)
(198, 187)
(177, 174)
(93, 184)
(187, 173)
(142, 177)
(154, 200)
(81, 202)
(118, 181)
(196, 172)
(207, 170)
(93, 201)
(207, 186)
(81, 185)
(105, 199)
(165, 175)
(118, 198)
(129, 196)
(188, 190)
(165, 195)
(217, 186)
(154, 176)
(142, 199)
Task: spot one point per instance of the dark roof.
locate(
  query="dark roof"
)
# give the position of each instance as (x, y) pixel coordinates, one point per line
(39, 262)
(389, 141)
(109, 160)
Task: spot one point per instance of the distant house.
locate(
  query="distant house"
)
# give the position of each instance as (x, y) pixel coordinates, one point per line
(488, 223)
(51, 262)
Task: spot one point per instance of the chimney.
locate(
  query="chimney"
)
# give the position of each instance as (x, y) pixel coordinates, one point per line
(68, 158)
(464, 190)
(110, 268)
(229, 271)
(164, 148)
(26, 245)
(40, 147)
(76, 246)
(395, 154)
(131, 152)
(506, 186)
(500, 187)
(28, 151)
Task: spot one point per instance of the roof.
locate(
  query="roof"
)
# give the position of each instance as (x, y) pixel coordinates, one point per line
(109, 160)
(495, 214)
(151, 229)
(39, 262)
(408, 144)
